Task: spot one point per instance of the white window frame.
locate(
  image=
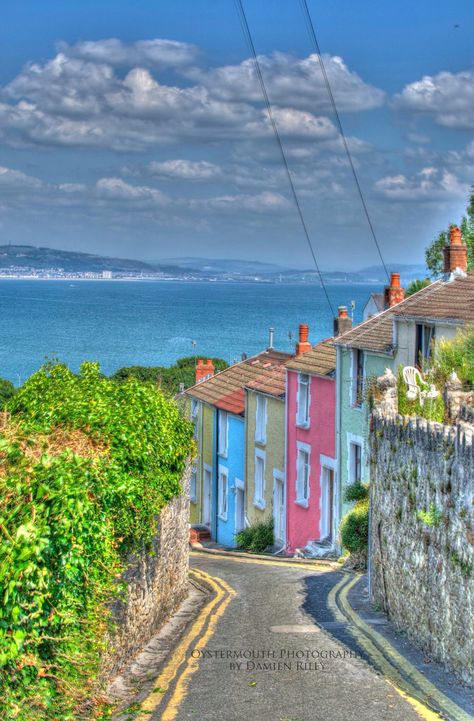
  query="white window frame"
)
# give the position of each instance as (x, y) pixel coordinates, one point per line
(193, 485)
(279, 476)
(259, 500)
(223, 434)
(329, 464)
(223, 498)
(300, 499)
(304, 379)
(261, 404)
(353, 440)
(355, 403)
(194, 407)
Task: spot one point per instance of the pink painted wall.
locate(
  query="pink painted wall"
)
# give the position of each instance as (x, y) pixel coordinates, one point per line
(303, 524)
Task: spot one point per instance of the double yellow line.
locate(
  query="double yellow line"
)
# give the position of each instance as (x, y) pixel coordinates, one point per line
(170, 687)
(410, 683)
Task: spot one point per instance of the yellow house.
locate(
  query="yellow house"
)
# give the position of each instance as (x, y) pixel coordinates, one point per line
(265, 451)
(202, 417)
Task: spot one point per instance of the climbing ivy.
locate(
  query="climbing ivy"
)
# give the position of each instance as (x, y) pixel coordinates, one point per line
(86, 465)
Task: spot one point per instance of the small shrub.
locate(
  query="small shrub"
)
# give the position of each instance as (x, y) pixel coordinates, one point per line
(256, 538)
(356, 492)
(354, 528)
(432, 517)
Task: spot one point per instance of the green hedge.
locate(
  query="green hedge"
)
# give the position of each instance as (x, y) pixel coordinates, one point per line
(354, 528)
(256, 538)
(86, 464)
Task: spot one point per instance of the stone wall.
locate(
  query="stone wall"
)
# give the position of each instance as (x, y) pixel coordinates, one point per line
(422, 531)
(157, 583)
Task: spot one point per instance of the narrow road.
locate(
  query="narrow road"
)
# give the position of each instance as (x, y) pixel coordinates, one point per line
(270, 647)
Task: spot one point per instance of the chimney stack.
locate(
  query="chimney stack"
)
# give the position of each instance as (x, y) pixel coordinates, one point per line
(303, 345)
(204, 370)
(271, 332)
(394, 293)
(343, 322)
(455, 254)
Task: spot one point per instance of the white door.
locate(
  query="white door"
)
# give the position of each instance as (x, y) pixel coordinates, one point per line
(279, 509)
(327, 503)
(239, 506)
(206, 506)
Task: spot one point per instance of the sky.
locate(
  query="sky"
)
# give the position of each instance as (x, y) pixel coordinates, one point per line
(138, 129)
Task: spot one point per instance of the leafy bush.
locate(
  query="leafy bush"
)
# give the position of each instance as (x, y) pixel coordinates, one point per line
(432, 408)
(256, 538)
(168, 378)
(354, 528)
(456, 354)
(356, 492)
(7, 391)
(86, 464)
(415, 285)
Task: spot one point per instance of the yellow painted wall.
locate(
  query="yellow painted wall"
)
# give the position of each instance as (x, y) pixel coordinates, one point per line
(204, 443)
(274, 453)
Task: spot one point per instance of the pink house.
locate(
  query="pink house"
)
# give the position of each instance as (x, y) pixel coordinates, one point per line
(311, 485)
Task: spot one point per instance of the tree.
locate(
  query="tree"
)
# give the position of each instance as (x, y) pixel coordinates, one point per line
(434, 252)
(168, 378)
(7, 391)
(416, 285)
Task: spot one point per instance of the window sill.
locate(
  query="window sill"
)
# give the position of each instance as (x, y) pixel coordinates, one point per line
(304, 503)
(261, 441)
(261, 505)
(221, 517)
(222, 454)
(193, 499)
(305, 426)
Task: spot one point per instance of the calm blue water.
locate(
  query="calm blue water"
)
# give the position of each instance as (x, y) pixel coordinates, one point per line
(127, 323)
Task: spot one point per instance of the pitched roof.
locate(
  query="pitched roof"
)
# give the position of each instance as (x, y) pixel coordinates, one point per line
(272, 383)
(226, 389)
(320, 360)
(451, 301)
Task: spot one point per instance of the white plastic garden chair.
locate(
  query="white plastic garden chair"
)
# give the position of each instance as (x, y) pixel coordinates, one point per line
(413, 378)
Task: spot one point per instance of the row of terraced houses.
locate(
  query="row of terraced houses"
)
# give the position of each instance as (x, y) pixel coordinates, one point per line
(281, 435)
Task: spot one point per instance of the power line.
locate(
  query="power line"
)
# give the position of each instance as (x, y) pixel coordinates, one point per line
(250, 43)
(312, 34)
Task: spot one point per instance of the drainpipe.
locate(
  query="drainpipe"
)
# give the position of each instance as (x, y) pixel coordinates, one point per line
(339, 386)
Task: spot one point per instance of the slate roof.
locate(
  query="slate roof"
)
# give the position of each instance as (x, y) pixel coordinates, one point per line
(450, 301)
(226, 389)
(320, 360)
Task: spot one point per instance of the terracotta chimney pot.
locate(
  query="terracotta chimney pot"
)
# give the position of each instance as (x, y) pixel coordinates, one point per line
(342, 323)
(394, 293)
(303, 346)
(455, 254)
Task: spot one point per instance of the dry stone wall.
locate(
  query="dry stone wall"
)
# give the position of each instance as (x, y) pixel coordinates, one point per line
(422, 532)
(157, 582)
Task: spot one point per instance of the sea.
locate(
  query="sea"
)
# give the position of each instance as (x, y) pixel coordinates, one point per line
(122, 323)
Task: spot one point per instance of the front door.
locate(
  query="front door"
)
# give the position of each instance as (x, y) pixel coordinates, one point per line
(279, 509)
(206, 506)
(239, 505)
(327, 504)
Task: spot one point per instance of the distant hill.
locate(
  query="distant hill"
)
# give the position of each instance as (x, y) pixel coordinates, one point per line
(28, 256)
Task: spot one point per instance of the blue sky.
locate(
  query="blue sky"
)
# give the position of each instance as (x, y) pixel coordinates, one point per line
(138, 129)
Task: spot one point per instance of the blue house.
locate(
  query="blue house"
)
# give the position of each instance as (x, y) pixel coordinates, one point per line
(217, 407)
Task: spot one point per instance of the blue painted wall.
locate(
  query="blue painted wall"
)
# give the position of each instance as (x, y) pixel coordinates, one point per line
(235, 464)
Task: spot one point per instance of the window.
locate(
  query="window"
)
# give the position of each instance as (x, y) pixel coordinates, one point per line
(302, 474)
(302, 416)
(222, 493)
(425, 335)
(194, 407)
(259, 493)
(355, 451)
(261, 420)
(222, 439)
(193, 486)
(357, 377)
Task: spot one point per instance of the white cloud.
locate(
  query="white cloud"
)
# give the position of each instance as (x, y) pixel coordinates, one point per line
(260, 203)
(158, 53)
(10, 178)
(291, 81)
(429, 184)
(447, 97)
(181, 169)
(118, 189)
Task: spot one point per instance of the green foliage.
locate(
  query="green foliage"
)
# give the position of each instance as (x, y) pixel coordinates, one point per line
(356, 492)
(432, 408)
(86, 464)
(256, 538)
(432, 517)
(354, 528)
(168, 378)
(465, 566)
(434, 252)
(415, 285)
(456, 354)
(7, 391)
